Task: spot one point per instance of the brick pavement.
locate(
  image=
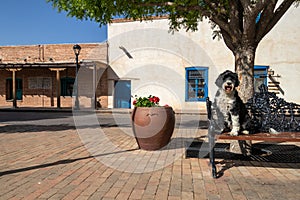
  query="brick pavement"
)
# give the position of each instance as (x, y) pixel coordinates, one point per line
(52, 163)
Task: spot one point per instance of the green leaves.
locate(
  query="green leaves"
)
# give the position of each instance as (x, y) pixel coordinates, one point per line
(103, 11)
(231, 19)
(150, 101)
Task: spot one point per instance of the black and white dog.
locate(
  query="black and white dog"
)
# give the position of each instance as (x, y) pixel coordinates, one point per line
(231, 110)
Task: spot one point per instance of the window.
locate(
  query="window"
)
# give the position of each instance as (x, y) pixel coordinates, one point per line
(196, 83)
(39, 83)
(9, 89)
(67, 86)
(260, 76)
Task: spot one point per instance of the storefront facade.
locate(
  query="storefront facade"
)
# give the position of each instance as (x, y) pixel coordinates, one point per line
(44, 75)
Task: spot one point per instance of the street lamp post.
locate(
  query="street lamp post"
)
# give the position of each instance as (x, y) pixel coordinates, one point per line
(76, 49)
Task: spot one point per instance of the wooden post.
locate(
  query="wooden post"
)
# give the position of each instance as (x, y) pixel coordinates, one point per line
(58, 89)
(58, 85)
(14, 85)
(14, 89)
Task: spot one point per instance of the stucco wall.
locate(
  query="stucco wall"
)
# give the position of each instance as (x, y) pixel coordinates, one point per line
(156, 59)
(159, 59)
(280, 50)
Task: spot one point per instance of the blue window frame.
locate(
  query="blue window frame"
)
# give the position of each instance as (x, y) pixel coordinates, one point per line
(196, 83)
(260, 76)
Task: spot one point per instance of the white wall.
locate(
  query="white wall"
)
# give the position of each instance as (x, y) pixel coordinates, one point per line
(280, 49)
(159, 58)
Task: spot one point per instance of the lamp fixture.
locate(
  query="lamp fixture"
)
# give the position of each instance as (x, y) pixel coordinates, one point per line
(76, 49)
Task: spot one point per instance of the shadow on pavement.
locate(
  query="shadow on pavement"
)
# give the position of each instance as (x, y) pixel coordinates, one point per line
(60, 162)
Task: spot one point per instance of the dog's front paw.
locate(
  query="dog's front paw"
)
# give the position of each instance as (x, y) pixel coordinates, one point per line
(234, 133)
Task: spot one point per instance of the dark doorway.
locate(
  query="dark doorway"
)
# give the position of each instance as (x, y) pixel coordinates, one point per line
(9, 89)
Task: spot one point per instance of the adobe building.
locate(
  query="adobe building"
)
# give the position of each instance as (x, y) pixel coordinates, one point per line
(44, 75)
(144, 58)
(181, 67)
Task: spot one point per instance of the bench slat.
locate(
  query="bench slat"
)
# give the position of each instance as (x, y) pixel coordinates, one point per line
(279, 137)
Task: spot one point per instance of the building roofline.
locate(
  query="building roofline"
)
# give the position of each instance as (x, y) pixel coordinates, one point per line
(123, 20)
(52, 44)
(48, 64)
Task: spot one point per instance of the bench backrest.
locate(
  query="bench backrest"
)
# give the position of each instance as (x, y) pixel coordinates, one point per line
(267, 111)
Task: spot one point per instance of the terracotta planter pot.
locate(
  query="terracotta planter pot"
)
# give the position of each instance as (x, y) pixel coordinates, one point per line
(153, 126)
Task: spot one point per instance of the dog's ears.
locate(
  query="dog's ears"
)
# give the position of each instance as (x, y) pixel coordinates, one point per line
(221, 77)
(219, 80)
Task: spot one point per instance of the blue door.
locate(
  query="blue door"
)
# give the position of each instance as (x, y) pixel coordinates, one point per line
(122, 94)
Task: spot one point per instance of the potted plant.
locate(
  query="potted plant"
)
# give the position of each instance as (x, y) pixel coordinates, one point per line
(152, 124)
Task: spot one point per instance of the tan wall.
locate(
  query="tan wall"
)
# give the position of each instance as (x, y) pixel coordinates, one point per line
(47, 97)
(54, 53)
(39, 97)
(102, 90)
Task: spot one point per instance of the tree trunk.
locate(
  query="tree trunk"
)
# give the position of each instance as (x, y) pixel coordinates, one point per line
(244, 67)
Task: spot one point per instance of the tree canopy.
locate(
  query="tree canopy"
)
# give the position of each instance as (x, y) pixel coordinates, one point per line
(241, 23)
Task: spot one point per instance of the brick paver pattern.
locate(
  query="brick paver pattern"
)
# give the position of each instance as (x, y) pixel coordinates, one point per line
(52, 163)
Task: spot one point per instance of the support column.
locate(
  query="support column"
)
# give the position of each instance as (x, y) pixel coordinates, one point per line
(95, 86)
(14, 85)
(14, 89)
(58, 89)
(58, 85)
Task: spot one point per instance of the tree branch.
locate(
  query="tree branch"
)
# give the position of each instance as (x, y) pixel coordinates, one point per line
(251, 11)
(217, 17)
(280, 11)
(245, 3)
(228, 40)
(235, 21)
(264, 20)
(259, 5)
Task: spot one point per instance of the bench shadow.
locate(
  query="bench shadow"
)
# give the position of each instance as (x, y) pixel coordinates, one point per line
(273, 155)
(59, 162)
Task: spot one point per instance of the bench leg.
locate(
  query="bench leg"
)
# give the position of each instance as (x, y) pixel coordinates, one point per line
(212, 154)
(213, 164)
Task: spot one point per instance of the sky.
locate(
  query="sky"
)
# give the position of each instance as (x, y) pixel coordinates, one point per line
(31, 22)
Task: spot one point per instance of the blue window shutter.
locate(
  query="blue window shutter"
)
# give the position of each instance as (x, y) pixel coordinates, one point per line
(196, 88)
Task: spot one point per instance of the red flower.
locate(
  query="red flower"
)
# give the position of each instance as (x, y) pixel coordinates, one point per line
(134, 102)
(150, 101)
(154, 99)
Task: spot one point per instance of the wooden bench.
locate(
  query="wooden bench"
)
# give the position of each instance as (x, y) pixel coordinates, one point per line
(278, 137)
(267, 111)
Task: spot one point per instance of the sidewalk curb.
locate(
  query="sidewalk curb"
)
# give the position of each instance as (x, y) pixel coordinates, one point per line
(109, 110)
